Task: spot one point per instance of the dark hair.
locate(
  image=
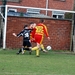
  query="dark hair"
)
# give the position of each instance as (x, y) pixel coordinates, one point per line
(25, 26)
(31, 22)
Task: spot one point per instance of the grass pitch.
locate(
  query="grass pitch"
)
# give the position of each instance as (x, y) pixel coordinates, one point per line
(52, 63)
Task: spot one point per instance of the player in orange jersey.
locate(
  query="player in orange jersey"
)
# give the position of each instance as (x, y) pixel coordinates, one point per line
(33, 40)
(39, 32)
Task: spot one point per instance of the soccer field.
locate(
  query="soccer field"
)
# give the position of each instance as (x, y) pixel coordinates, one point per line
(51, 63)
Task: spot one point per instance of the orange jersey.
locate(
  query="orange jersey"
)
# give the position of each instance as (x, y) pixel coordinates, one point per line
(41, 29)
(32, 35)
(38, 32)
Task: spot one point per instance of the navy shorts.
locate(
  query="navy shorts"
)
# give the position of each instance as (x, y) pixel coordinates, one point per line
(27, 43)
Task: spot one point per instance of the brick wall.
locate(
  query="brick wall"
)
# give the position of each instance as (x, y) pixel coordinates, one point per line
(59, 32)
(63, 5)
(52, 4)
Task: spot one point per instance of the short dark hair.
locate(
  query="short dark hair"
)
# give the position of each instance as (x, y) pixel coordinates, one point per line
(25, 26)
(31, 22)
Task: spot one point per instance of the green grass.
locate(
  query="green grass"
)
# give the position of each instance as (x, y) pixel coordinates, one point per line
(52, 63)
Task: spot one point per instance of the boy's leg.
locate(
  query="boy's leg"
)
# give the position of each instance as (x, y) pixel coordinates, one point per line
(38, 50)
(21, 49)
(43, 49)
(27, 49)
(30, 50)
(24, 45)
(34, 48)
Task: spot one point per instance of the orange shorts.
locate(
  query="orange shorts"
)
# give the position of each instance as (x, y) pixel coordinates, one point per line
(38, 38)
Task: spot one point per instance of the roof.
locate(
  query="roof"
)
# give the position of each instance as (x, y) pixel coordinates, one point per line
(19, 14)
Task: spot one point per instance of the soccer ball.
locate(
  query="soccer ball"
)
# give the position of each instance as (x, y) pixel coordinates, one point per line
(48, 48)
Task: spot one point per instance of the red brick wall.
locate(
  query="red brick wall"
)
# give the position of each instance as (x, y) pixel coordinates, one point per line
(59, 32)
(58, 4)
(53, 4)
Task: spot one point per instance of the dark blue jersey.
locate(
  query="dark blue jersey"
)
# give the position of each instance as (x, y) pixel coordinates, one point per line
(25, 33)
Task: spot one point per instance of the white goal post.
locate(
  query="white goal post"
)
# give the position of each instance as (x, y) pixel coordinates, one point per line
(24, 7)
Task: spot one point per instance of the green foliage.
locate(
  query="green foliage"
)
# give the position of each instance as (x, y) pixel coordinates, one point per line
(51, 63)
(21, 14)
(68, 16)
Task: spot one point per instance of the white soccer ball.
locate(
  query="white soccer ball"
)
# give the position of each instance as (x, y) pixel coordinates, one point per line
(48, 48)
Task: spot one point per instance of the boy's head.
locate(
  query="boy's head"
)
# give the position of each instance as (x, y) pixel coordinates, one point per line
(26, 27)
(32, 25)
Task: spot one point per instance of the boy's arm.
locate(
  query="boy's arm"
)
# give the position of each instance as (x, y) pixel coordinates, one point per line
(46, 31)
(17, 35)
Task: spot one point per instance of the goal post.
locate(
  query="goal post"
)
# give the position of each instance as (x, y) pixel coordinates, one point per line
(25, 7)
